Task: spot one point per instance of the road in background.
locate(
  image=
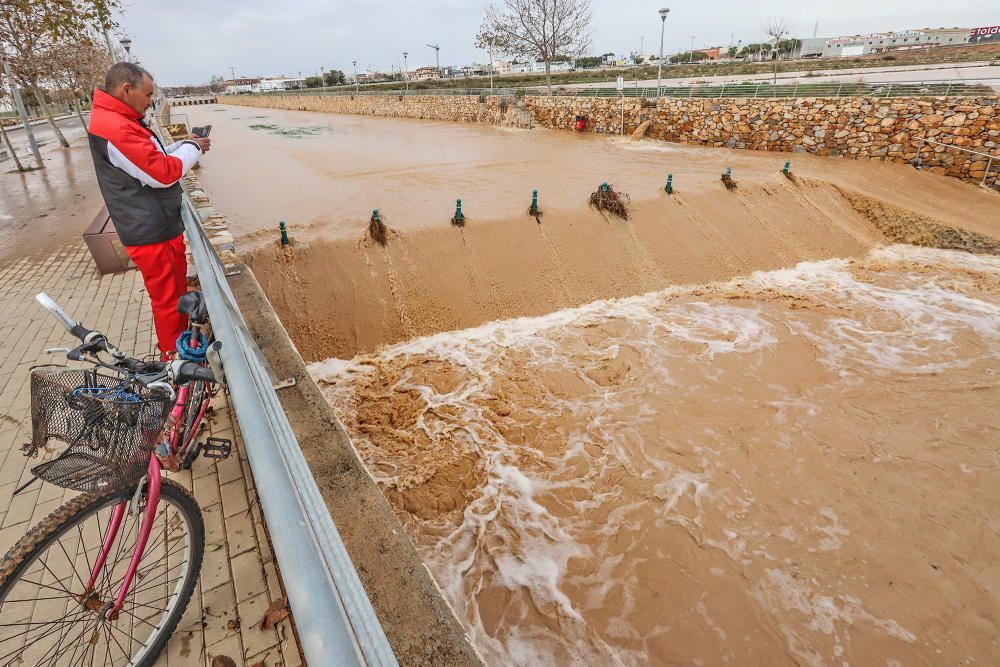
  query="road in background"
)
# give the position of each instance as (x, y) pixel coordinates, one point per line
(968, 72)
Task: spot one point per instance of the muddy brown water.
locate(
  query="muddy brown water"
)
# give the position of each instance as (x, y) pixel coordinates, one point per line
(743, 427)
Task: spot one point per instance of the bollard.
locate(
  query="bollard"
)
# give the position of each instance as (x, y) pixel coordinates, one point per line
(284, 233)
(788, 167)
(670, 184)
(459, 218)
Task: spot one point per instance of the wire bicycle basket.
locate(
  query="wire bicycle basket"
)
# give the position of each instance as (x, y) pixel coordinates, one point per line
(109, 424)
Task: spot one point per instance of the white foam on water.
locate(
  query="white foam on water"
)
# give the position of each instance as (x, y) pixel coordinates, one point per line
(587, 384)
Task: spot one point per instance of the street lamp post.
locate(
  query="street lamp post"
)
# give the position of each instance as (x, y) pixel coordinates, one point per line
(127, 44)
(355, 64)
(659, 62)
(692, 50)
(406, 74)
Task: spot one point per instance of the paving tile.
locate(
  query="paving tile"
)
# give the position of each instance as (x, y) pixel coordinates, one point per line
(238, 563)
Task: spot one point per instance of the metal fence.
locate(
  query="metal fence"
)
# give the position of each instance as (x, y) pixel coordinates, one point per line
(765, 89)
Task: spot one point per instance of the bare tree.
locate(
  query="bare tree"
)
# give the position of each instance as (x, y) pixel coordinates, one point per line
(79, 67)
(32, 30)
(3, 132)
(776, 28)
(542, 29)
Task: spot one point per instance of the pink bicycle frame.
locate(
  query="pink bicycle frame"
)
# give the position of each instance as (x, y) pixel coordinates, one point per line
(152, 500)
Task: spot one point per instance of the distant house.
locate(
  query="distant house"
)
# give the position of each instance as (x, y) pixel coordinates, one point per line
(503, 67)
(425, 73)
(713, 53)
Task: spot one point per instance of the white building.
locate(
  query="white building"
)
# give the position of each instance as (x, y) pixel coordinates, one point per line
(280, 83)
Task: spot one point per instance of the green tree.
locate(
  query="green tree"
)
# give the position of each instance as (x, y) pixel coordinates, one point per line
(334, 78)
(313, 82)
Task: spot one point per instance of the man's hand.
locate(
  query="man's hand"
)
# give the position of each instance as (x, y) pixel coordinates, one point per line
(203, 142)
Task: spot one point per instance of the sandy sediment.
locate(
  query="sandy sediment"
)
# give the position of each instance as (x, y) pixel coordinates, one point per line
(340, 298)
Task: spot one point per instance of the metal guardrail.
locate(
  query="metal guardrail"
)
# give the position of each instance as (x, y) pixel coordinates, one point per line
(336, 622)
(989, 158)
(334, 617)
(765, 89)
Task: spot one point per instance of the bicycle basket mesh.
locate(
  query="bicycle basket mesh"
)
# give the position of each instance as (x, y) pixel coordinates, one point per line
(110, 429)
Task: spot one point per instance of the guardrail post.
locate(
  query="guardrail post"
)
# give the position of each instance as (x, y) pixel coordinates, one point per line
(840, 87)
(888, 91)
(795, 90)
(948, 89)
(756, 90)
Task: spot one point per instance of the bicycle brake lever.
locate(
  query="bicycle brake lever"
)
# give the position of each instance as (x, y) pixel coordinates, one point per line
(55, 350)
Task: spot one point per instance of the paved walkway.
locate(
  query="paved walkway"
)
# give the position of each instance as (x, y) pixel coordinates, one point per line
(239, 580)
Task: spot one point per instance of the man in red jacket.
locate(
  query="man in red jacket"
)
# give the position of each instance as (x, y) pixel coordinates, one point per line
(140, 180)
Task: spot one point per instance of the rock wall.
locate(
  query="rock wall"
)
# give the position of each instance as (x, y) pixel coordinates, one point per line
(876, 128)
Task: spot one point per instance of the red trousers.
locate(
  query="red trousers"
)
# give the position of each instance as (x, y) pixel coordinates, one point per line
(164, 270)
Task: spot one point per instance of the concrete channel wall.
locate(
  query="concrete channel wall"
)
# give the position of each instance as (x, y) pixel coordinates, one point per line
(887, 129)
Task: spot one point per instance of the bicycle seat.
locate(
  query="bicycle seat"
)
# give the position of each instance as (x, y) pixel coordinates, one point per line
(193, 305)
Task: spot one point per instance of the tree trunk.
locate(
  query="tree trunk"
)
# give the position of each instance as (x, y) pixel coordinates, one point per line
(40, 98)
(10, 149)
(548, 77)
(79, 113)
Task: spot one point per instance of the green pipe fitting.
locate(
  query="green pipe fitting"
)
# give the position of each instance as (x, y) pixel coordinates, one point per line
(284, 233)
(534, 200)
(670, 184)
(458, 210)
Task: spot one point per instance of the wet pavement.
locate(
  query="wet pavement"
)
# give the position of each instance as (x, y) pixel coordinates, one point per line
(43, 209)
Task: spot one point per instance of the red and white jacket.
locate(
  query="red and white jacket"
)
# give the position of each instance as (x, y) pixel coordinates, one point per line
(139, 177)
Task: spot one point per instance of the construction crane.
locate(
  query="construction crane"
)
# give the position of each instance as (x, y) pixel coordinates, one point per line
(437, 60)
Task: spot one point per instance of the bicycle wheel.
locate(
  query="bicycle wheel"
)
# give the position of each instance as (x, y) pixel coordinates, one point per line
(44, 621)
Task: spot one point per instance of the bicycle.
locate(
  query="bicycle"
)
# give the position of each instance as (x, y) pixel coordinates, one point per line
(108, 575)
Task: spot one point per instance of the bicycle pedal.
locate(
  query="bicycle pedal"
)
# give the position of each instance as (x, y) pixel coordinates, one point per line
(217, 448)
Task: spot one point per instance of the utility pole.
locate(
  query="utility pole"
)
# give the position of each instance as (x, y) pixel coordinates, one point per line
(355, 63)
(692, 49)
(437, 60)
(642, 45)
(19, 103)
(232, 70)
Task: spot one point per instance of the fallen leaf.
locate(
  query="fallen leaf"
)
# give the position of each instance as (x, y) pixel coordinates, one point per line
(276, 613)
(223, 661)
(212, 547)
(233, 624)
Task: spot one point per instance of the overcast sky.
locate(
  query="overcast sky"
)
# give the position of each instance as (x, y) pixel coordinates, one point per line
(187, 41)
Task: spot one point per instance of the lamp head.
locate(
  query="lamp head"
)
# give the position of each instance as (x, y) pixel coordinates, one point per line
(663, 14)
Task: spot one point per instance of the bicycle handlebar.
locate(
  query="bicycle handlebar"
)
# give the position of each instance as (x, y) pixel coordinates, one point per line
(60, 315)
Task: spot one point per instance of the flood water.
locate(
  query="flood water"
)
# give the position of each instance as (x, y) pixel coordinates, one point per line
(741, 427)
(798, 467)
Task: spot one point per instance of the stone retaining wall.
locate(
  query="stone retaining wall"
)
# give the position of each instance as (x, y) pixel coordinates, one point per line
(876, 128)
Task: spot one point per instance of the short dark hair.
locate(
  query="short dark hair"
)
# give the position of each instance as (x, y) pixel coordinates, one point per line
(122, 73)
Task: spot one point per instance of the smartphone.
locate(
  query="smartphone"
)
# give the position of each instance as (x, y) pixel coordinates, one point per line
(201, 131)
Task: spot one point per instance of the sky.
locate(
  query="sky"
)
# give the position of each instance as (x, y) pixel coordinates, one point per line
(188, 41)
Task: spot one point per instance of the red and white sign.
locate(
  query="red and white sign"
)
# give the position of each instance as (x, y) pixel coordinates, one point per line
(986, 32)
